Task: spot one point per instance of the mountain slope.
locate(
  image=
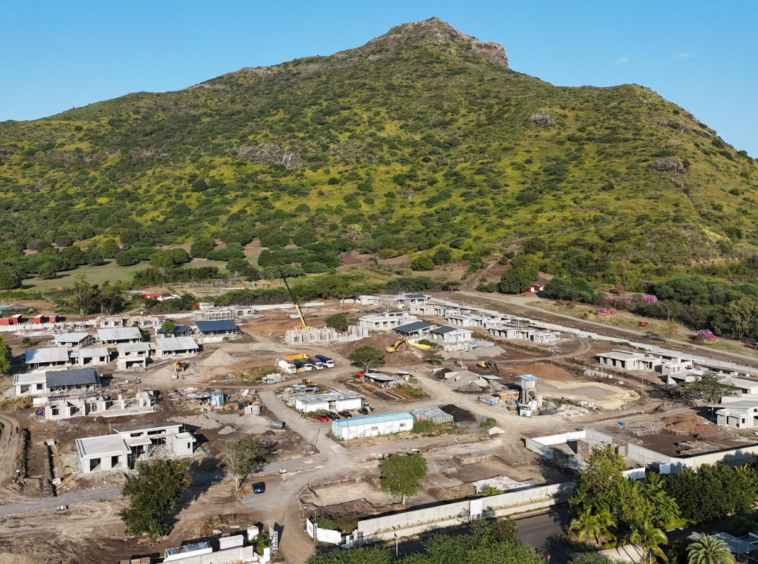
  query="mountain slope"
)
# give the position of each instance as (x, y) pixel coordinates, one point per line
(421, 137)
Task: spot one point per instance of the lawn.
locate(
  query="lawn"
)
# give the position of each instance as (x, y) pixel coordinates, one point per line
(95, 275)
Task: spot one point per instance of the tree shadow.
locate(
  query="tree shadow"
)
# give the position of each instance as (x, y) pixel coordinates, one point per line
(204, 474)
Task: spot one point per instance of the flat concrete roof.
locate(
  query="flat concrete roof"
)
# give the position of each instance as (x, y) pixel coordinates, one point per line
(374, 419)
(133, 347)
(28, 379)
(107, 445)
(119, 334)
(173, 344)
(47, 355)
(71, 337)
(147, 426)
(93, 352)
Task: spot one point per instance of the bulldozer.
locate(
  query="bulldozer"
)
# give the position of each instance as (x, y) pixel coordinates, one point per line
(178, 369)
(488, 365)
(394, 348)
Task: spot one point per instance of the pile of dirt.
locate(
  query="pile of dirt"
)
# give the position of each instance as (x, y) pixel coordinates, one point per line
(477, 353)
(571, 411)
(269, 347)
(226, 430)
(217, 359)
(691, 424)
(199, 421)
(459, 414)
(544, 370)
(473, 387)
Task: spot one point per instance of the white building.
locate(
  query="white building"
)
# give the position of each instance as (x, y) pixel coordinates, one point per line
(740, 414)
(92, 355)
(372, 425)
(74, 340)
(386, 321)
(451, 335)
(133, 355)
(415, 330)
(331, 401)
(120, 335)
(627, 360)
(48, 357)
(176, 346)
(56, 381)
(121, 450)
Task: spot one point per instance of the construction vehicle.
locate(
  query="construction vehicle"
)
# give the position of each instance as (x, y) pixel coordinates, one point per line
(293, 357)
(488, 365)
(178, 369)
(307, 381)
(394, 348)
(459, 364)
(295, 303)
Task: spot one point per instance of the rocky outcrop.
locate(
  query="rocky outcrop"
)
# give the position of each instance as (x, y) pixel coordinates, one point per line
(271, 154)
(667, 164)
(540, 119)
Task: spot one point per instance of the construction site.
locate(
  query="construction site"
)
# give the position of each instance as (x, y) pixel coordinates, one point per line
(475, 390)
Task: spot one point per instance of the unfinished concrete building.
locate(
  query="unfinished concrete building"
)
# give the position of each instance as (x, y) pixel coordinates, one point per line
(76, 380)
(385, 321)
(173, 347)
(133, 355)
(81, 405)
(119, 336)
(74, 340)
(129, 444)
(627, 360)
(323, 335)
(47, 358)
(91, 356)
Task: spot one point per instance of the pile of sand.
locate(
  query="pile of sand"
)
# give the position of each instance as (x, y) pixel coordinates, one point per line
(199, 421)
(691, 424)
(217, 359)
(226, 430)
(478, 352)
(544, 370)
(571, 411)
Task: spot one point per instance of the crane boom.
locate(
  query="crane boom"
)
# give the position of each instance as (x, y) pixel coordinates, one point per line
(289, 291)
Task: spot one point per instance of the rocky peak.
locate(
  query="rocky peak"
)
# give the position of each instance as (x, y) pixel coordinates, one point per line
(434, 31)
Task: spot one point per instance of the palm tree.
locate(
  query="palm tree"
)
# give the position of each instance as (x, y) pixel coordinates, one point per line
(605, 523)
(649, 539)
(709, 549)
(584, 525)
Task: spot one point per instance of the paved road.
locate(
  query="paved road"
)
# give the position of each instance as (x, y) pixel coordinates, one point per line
(543, 532)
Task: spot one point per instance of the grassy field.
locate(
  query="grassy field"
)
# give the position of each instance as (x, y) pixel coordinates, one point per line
(99, 274)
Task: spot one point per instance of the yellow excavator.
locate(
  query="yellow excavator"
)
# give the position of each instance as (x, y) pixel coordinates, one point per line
(394, 348)
(488, 365)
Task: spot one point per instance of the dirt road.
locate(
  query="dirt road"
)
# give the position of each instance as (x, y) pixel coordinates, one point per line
(10, 444)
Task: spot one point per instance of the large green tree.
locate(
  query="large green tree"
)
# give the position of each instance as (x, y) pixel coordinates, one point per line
(402, 475)
(153, 493)
(367, 356)
(5, 356)
(649, 539)
(242, 457)
(709, 387)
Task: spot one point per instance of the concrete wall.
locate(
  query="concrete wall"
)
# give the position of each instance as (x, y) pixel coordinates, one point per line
(228, 556)
(416, 521)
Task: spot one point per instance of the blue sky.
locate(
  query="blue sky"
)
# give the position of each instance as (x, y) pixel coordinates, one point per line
(700, 54)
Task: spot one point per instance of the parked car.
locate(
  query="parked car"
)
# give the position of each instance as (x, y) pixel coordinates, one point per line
(369, 407)
(333, 416)
(346, 414)
(259, 487)
(363, 411)
(323, 418)
(751, 344)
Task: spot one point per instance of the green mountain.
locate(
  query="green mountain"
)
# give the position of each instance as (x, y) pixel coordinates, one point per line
(422, 137)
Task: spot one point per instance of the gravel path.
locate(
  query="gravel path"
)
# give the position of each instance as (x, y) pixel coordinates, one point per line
(74, 498)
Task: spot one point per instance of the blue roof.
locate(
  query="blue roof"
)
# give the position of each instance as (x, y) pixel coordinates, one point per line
(529, 377)
(222, 325)
(489, 377)
(369, 419)
(178, 330)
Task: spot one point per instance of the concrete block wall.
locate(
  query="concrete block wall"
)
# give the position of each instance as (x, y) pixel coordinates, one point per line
(417, 520)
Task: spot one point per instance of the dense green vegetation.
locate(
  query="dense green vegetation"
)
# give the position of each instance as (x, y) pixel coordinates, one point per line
(486, 543)
(421, 142)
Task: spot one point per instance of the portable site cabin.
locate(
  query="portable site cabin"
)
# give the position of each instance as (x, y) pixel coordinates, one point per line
(331, 401)
(372, 425)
